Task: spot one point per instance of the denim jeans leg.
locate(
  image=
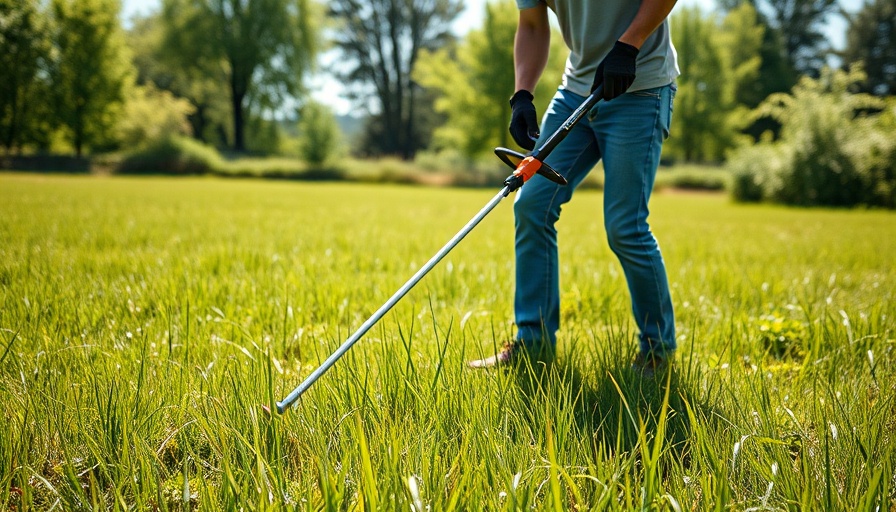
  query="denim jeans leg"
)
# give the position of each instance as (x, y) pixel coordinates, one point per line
(630, 131)
(536, 210)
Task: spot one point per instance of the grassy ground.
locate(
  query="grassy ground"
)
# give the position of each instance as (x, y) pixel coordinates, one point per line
(144, 321)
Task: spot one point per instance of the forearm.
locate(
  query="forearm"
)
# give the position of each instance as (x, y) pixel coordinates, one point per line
(531, 47)
(650, 15)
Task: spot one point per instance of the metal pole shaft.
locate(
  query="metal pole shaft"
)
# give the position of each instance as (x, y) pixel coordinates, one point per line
(311, 379)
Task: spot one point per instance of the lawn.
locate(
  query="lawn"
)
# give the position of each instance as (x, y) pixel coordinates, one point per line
(144, 322)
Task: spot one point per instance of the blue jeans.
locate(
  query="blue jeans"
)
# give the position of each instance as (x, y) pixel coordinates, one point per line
(627, 132)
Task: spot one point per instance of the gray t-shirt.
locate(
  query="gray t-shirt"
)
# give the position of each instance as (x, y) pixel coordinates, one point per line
(591, 27)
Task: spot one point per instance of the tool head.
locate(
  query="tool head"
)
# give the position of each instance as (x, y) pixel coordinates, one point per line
(514, 159)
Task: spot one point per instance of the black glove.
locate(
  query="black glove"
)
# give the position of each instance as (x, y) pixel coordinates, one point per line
(523, 120)
(616, 71)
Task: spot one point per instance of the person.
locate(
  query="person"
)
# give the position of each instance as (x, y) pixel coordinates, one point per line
(625, 46)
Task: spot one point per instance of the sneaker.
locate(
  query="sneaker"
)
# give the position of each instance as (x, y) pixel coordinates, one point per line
(650, 365)
(511, 354)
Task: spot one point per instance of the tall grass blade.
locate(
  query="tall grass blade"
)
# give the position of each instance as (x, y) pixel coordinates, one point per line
(369, 490)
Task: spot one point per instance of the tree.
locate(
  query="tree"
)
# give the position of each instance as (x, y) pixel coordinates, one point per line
(91, 70)
(800, 25)
(475, 80)
(776, 71)
(473, 92)
(262, 47)
(826, 155)
(381, 40)
(24, 58)
(702, 128)
(150, 114)
(319, 134)
(741, 39)
(871, 40)
(203, 84)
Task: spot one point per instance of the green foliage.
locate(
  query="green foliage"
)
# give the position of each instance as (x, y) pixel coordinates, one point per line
(745, 21)
(799, 26)
(740, 40)
(91, 71)
(475, 81)
(707, 178)
(871, 42)
(172, 155)
(472, 82)
(830, 153)
(756, 170)
(875, 156)
(151, 114)
(159, 63)
(319, 135)
(145, 320)
(24, 59)
(264, 135)
(781, 336)
(381, 41)
(706, 116)
(267, 47)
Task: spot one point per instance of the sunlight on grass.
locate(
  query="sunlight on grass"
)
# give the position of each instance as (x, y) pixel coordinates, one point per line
(145, 321)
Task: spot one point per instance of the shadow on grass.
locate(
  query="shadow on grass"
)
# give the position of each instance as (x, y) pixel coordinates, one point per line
(620, 409)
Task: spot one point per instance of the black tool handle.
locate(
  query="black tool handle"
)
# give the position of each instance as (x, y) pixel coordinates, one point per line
(561, 133)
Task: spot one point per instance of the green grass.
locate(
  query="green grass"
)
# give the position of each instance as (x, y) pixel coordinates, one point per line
(144, 321)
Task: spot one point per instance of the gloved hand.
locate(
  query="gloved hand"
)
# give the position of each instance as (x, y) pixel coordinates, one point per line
(523, 120)
(616, 71)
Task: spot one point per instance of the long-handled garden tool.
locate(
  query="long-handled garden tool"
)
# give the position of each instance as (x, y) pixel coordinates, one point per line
(525, 166)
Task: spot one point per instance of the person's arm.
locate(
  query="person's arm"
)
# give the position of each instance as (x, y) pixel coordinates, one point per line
(650, 15)
(617, 71)
(531, 46)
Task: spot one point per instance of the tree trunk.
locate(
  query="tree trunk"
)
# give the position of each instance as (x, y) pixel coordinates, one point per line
(396, 20)
(238, 121)
(409, 143)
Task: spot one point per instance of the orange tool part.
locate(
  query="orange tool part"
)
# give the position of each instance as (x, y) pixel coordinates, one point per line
(527, 168)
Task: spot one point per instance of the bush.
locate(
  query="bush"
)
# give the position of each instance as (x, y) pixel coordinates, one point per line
(173, 155)
(830, 154)
(874, 154)
(755, 171)
(693, 178)
(745, 188)
(319, 133)
(151, 114)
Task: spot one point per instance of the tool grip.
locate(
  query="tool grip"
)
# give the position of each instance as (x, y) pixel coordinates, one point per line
(534, 163)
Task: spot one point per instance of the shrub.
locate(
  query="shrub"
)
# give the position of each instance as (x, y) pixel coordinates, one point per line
(172, 155)
(319, 134)
(755, 171)
(874, 152)
(151, 114)
(744, 187)
(830, 154)
(447, 160)
(693, 178)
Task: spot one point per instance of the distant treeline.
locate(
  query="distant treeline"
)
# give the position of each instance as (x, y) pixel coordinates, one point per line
(235, 75)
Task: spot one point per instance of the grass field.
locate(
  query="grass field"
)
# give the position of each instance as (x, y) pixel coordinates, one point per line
(144, 321)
